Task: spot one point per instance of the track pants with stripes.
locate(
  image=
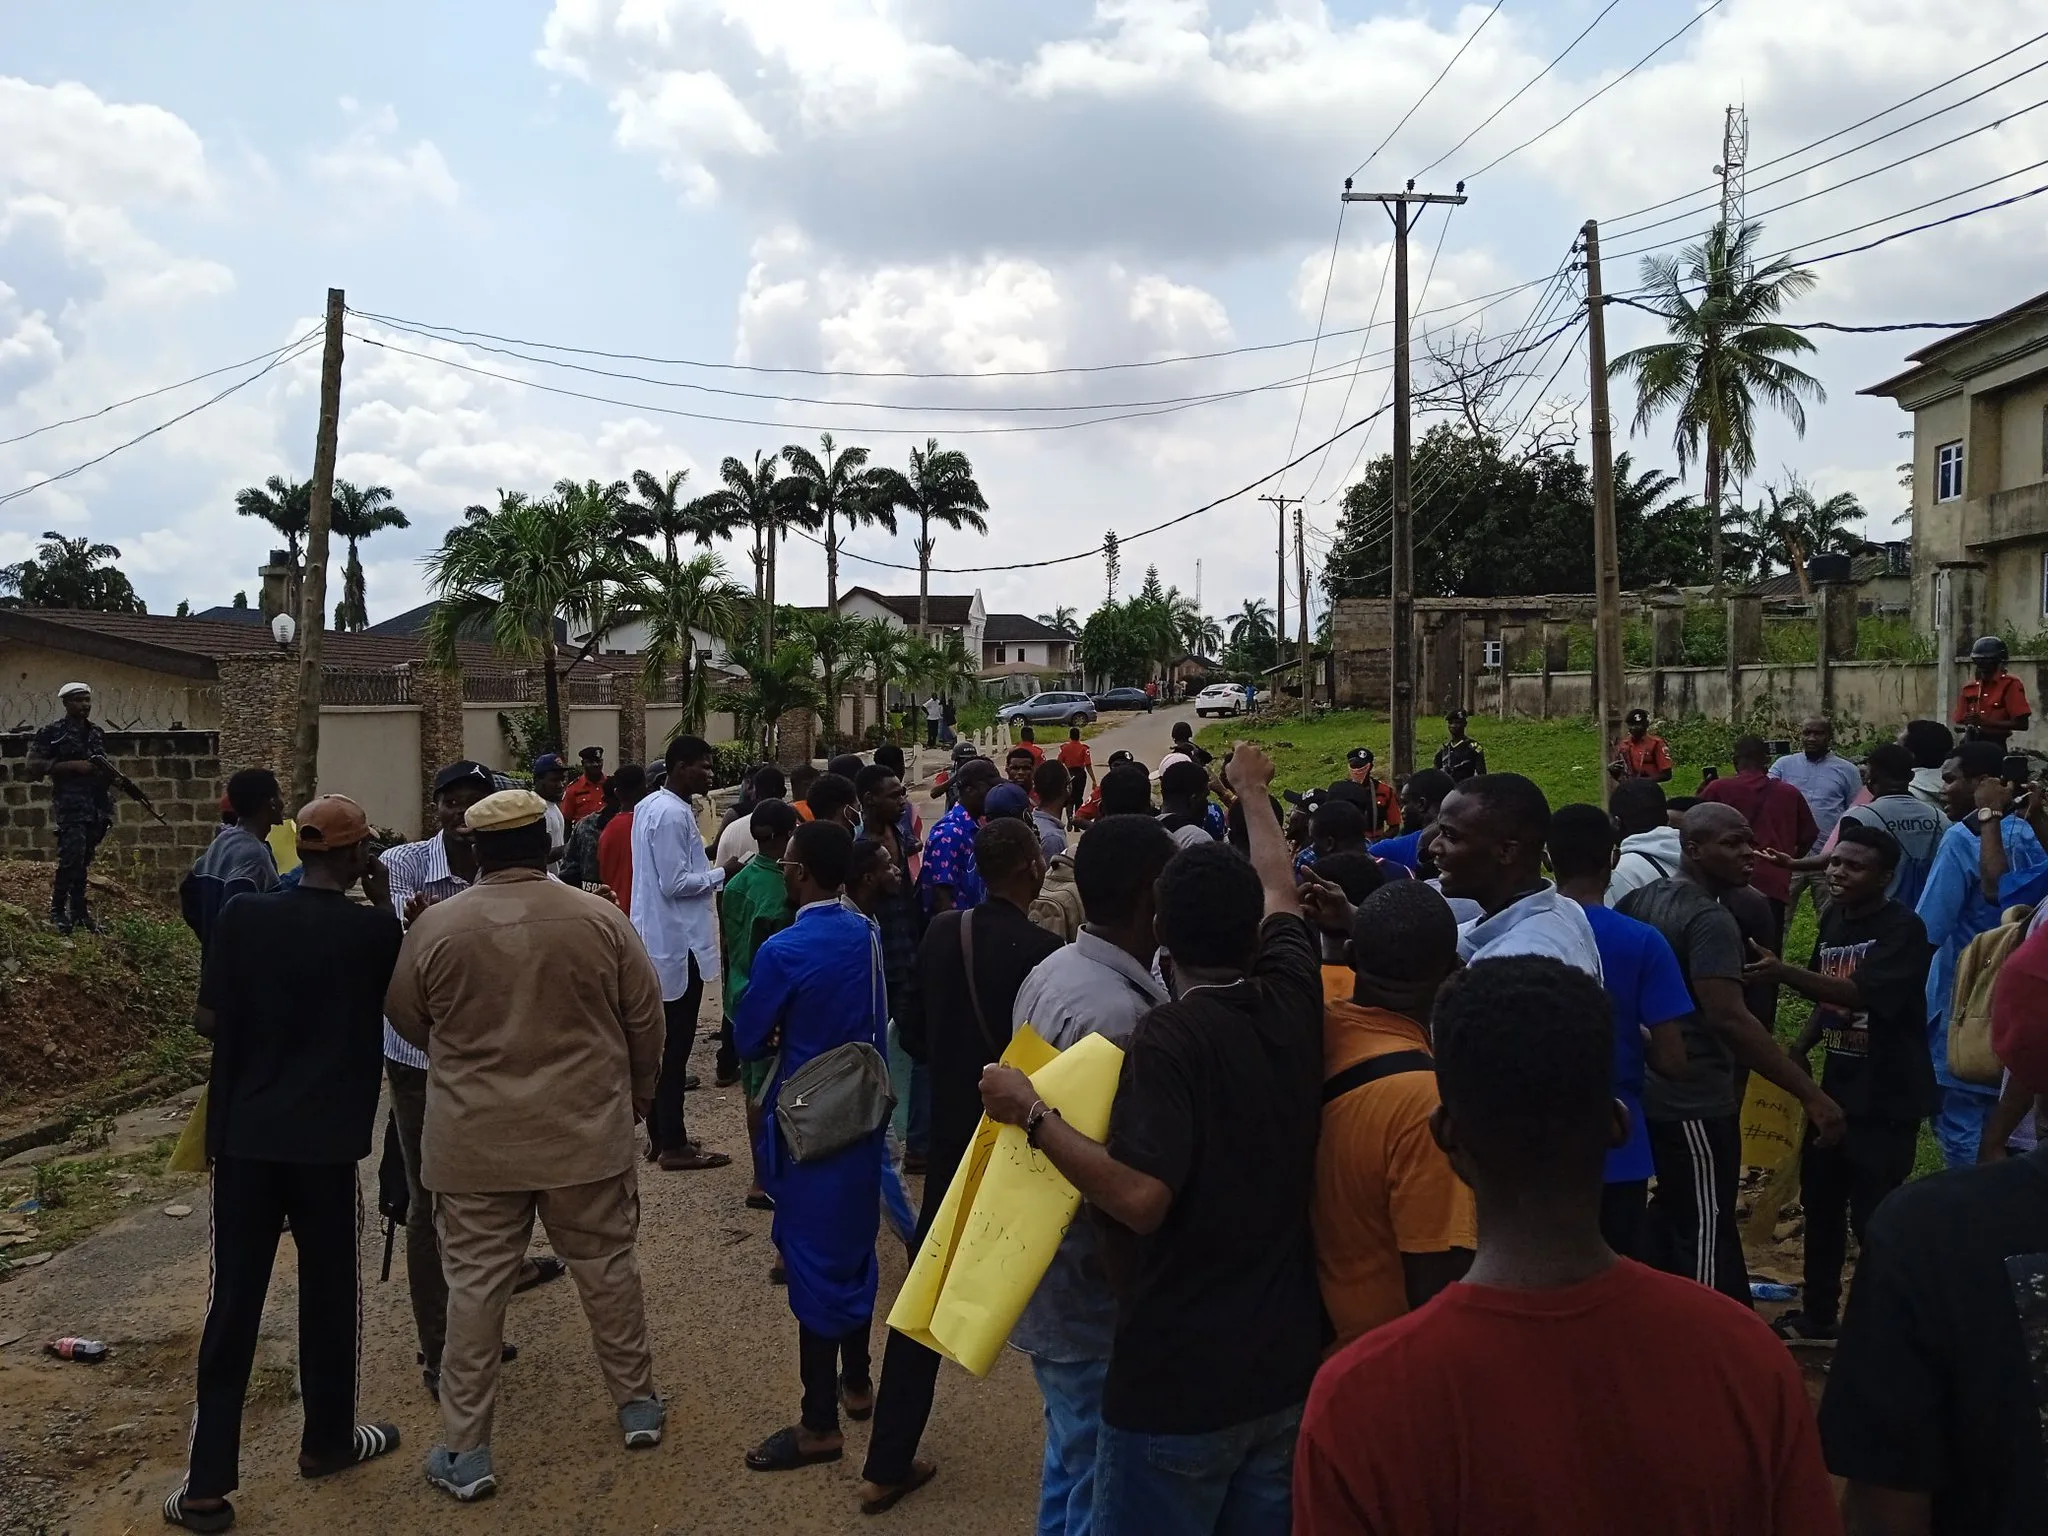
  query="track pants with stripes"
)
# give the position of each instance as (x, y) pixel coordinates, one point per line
(1690, 1227)
(251, 1202)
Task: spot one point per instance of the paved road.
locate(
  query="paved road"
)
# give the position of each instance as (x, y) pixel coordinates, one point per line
(1147, 737)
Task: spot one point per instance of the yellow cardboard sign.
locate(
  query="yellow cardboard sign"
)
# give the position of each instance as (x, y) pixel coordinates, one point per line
(1773, 1129)
(1005, 1211)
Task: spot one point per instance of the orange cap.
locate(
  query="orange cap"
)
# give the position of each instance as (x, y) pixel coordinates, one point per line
(332, 821)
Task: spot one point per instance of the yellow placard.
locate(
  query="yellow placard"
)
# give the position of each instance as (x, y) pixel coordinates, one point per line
(1005, 1212)
(1773, 1128)
(189, 1156)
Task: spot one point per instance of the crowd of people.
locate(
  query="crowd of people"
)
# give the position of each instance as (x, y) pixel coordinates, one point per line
(1417, 1207)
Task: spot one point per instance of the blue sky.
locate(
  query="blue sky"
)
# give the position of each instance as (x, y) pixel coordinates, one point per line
(929, 185)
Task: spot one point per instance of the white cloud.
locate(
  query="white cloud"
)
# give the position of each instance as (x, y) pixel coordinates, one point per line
(67, 140)
(369, 162)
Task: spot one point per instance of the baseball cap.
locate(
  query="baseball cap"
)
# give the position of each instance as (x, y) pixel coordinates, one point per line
(464, 772)
(2019, 1012)
(1458, 715)
(964, 750)
(1310, 800)
(1007, 799)
(1170, 759)
(1359, 757)
(1121, 756)
(330, 822)
(1639, 717)
(547, 762)
(505, 811)
(592, 754)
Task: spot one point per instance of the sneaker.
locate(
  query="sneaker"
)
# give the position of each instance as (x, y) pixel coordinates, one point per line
(642, 1420)
(1798, 1326)
(466, 1474)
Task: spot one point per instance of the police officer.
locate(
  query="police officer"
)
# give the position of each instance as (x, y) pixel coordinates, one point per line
(1993, 704)
(73, 753)
(1461, 757)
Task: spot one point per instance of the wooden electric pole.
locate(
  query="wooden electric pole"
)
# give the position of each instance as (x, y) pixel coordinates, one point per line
(1607, 662)
(1301, 581)
(1282, 503)
(1401, 587)
(313, 588)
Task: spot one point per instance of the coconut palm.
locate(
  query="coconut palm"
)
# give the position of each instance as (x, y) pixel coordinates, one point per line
(358, 512)
(1252, 625)
(677, 600)
(1726, 354)
(762, 499)
(517, 572)
(839, 489)
(1797, 526)
(834, 639)
(940, 488)
(1066, 620)
(70, 573)
(663, 512)
(287, 505)
(880, 650)
(1200, 633)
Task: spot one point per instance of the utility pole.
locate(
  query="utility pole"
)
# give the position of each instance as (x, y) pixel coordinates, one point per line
(1607, 663)
(1401, 587)
(1301, 581)
(1280, 609)
(313, 590)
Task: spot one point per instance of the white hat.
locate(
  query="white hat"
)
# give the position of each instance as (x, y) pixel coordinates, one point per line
(70, 688)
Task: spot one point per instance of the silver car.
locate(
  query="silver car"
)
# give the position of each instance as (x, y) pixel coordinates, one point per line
(1050, 709)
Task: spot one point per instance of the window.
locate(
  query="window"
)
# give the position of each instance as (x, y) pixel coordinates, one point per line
(1948, 472)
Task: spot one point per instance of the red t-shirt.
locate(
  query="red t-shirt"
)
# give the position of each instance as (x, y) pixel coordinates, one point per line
(1633, 1402)
(1779, 816)
(1074, 754)
(615, 858)
(1037, 752)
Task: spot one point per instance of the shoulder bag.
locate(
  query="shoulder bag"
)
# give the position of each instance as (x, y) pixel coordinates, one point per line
(839, 1097)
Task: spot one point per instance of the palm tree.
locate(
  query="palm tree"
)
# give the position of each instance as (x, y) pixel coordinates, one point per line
(661, 512)
(880, 649)
(358, 512)
(760, 499)
(1798, 527)
(834, 639)
(839, 488)
(287, 505)
(70, 573)
(779, 682)
(1252, 625)
(518, 571)
(677, 601)
(1725, 356)
(1066, 620)
(940, 488)
(1201, 634)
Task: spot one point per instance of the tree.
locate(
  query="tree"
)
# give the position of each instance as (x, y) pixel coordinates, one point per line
(1252, 625)
(880, 649)
(70, 573)
(1796, 527)
(662, 513)
(516, 571)
(940, 488)
(1112, 562)
(763, 500)
(1726, 355)
(1117, 644)
(287, 505)
(1201, 634)
(1066, 620)
(834, 639)
(358, 512)
(779, 682)
(839, 488)
(677, 600)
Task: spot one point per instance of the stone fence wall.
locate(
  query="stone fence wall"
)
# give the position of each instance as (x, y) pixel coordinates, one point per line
(180, 771)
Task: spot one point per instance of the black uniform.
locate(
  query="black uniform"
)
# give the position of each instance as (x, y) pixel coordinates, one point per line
(80, 805)
(1462, 760)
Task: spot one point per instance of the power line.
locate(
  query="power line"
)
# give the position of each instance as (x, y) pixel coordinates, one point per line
(1322, 312)
(287, 355)
(1439, 80)
(1532, 80)
(1379, 293)
(1698, 17)
(72, 421)
(1828, 325)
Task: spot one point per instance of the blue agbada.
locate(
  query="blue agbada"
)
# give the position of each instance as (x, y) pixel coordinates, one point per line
(816, 985)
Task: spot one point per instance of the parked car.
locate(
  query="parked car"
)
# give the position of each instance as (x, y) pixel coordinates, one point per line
(1124, 698)
(1050, 709)
(1221, 699)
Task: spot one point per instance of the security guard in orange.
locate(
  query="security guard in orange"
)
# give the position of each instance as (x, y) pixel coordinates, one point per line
(1994, 703)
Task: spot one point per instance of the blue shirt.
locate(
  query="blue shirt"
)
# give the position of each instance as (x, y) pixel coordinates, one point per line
(1953, 910)
(1645, 986)
(1830, 787)
(949, 860)
(1405, 850)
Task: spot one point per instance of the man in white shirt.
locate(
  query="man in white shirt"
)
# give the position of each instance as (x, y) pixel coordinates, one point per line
(1490, 833)
(1649, 843)
(675, 911)
(934, 712)
(550, 779)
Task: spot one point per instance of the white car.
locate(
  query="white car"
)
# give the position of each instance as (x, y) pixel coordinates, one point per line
(1221, 699)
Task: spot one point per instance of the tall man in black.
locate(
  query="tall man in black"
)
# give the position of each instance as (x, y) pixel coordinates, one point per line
(293, 998)
(73, 753)
(1868, 983)
(970, 966)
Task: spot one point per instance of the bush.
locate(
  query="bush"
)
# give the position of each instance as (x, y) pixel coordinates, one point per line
(729, 763)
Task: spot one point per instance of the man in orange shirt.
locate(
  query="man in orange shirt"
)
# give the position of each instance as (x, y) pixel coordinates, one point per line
(585, 794)
(1641, 755)
(1393, 1224)
(1028, 742)
(1993, 703)
(1074, 757)
(1381, 805)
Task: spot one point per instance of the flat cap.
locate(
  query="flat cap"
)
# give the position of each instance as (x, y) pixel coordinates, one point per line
(505, 811)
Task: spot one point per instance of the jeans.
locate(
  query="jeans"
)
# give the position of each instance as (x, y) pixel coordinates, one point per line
(679, 1015)
(1229, 1482)
(1959, 1123)
(1072, 1390)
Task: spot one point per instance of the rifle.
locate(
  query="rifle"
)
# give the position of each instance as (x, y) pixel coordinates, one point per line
(126, 785)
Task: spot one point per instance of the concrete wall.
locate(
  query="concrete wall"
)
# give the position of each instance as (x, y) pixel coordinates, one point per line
(2020, 459)
(1879, 693)
(178, 770)
(371, 753)
(30, 676)
(662, 720)
(593, 725)
(482, 740)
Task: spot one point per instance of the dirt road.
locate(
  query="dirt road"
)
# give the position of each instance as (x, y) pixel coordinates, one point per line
(113, 1437)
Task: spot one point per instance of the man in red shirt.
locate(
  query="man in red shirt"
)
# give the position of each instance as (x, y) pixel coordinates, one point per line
(1639, 755)
(615, 842)
(1539, 1394)
(1776, 812)
(1993, 704)
(585, 794)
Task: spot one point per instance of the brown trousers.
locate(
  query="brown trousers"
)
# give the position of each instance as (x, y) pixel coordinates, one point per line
(484, 1237)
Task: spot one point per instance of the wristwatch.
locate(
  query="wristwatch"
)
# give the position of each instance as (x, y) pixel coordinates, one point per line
(1986, 815)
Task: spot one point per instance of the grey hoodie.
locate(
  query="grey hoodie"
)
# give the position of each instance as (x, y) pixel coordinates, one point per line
(1641, 855)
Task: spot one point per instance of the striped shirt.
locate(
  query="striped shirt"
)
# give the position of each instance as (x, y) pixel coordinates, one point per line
(415, 868)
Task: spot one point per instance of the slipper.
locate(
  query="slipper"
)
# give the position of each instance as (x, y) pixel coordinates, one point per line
(1795, 1327)
(546, 1267)
(846, 1397)
(780, 1452)
(692, 1082)
(921, 1472)
(175, 1513)
(367, 1443)
(760, 1202)
(777, 1275)
(725, 1079)
(689, 1158)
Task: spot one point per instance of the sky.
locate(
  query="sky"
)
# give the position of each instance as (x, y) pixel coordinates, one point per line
(850, 188)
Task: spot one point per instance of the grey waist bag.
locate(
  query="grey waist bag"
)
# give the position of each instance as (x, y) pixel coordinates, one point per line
(834, 1100)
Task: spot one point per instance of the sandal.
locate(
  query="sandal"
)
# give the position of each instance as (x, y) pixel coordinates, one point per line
(781, 1452)
(367, 1443)
(921, 1472)
(690, 1158)
(546, 1267)
(846, 1400)
(1795, 1327)
(761, 1202)
(176, 1513)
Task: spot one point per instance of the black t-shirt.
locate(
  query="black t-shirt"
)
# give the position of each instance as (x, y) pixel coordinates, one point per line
(1940, 1381)
(1877, 1066)
(1219, 1320)
(296, 981)
(1758, 920)
(1007, 944)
